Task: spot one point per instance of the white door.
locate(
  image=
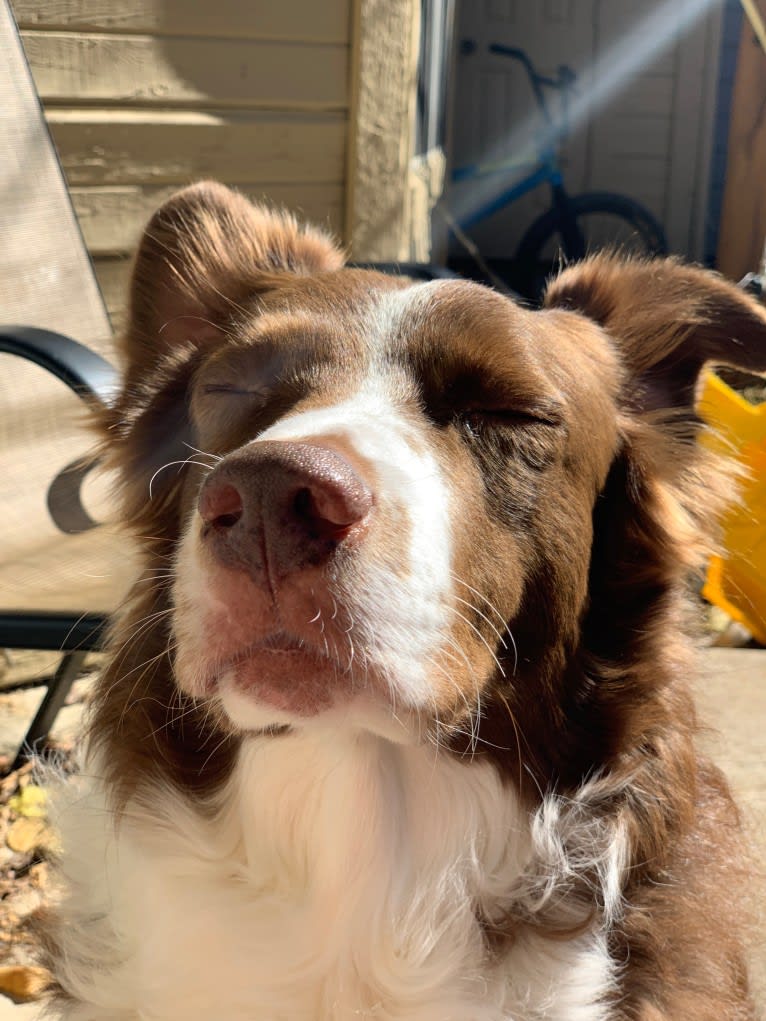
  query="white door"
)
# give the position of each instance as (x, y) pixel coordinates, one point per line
(650, 139)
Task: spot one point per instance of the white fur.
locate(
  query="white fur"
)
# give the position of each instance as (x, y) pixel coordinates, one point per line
(403, 617)
(337, 877)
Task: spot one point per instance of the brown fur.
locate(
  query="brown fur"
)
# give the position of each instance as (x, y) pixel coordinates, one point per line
(603, 516)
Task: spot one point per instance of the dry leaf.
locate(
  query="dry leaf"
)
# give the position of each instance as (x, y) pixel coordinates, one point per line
(23, 983)
(31, 802)
(27, 835)
(38, 875)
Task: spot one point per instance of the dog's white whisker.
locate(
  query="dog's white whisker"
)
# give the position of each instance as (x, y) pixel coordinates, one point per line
(481, 638)
(204, 453)
(170, 464)
(485, 618)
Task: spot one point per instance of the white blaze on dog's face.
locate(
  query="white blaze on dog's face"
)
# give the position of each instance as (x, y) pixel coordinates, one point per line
(381, 450)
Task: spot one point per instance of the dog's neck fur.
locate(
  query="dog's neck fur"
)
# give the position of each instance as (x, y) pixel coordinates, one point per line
(343, 876)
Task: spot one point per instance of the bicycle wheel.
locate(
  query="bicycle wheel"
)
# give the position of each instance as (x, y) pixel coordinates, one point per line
(605, 221)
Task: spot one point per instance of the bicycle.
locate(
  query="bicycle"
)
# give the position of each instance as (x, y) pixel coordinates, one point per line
(575, 224)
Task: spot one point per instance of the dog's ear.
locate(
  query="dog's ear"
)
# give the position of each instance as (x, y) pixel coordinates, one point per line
(668, 320)
(206, 252)
(654, 520)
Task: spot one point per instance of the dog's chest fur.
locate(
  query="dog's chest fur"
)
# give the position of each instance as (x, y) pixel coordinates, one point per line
(334, 880)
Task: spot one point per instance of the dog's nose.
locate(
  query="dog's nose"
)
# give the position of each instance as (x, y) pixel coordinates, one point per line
(282, 504)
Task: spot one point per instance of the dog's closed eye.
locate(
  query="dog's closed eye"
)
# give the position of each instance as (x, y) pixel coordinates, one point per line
(231, 390)
(477, 419)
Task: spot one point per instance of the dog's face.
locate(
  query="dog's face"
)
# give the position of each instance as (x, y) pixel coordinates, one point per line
(389, 491)
(391, 465)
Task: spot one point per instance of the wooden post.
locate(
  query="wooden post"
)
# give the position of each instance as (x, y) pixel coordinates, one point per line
(380, 214)
(743, 216)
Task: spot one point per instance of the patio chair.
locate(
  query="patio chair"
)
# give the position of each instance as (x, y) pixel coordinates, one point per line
(60, 575)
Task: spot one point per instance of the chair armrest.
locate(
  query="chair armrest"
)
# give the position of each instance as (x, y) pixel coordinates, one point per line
(65, 632)
(90, 376)
(93, 379)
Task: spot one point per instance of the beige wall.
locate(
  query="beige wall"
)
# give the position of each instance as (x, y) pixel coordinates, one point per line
(144, 95)
(308, 103)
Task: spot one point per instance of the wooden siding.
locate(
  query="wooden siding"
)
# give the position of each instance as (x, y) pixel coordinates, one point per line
(99, 147)
(743, 217)
(326, 21)
(141, 70)
(142, 98)
(112, 216)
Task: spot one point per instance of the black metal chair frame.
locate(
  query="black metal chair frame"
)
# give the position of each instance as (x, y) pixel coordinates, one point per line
(74, 634)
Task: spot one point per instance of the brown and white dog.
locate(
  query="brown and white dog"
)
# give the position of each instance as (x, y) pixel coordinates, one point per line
(396, 724)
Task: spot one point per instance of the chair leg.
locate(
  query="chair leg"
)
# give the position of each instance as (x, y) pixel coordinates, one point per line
(58, 689)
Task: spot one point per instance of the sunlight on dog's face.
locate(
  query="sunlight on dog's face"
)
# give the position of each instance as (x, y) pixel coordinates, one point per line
(389, 468)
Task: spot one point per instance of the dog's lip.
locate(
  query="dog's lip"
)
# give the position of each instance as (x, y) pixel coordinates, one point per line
(277, 643)
(283, 672)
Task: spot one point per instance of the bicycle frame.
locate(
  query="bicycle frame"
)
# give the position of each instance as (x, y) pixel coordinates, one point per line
(547, 168)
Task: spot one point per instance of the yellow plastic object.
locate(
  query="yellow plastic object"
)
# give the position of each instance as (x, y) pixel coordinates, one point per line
(737, 581)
